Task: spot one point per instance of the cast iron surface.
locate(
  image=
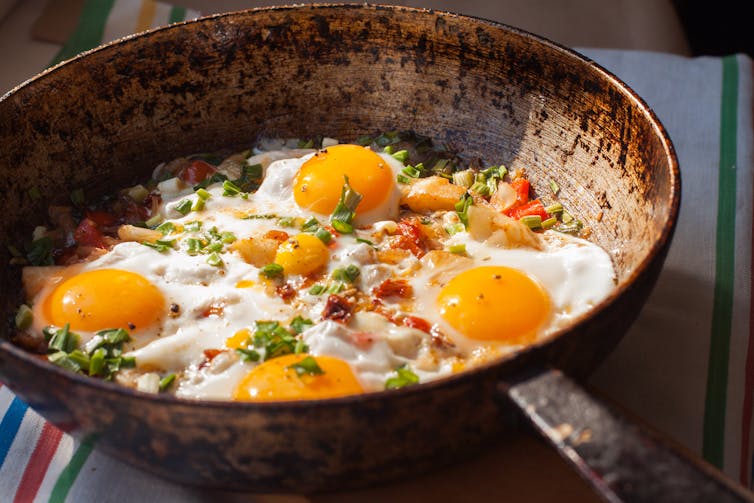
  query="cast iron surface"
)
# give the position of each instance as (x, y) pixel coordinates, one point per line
(620, 459)
(106, 119)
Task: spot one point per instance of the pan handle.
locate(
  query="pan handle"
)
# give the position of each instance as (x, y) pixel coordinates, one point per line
(623, 461)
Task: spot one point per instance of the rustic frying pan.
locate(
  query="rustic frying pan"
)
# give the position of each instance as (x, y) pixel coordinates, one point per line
(106, 118)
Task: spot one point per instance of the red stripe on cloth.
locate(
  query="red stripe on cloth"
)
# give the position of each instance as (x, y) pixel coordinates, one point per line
(38, 463)
(744, 469)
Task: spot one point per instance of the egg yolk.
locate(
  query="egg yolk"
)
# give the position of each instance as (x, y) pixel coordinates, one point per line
(102, 299)
(495, 303)
(302, 254)
(319, 182)
(277, 379)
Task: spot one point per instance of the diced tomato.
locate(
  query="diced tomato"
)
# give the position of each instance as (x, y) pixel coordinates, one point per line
(410, 236)
(394, 287)
(196, 172)
(88, 234)
(417, 323)
(521, 186)
(534, 207)
(101, 218)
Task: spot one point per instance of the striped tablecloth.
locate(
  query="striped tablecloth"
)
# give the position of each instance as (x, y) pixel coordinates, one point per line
(687, 365)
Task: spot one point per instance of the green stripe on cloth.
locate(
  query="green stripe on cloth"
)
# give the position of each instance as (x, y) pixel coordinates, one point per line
(722, 308)
(71, 472)
(177, 14)
(89, 32)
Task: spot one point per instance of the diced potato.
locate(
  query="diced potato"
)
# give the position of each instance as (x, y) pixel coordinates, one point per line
(139, 234)
(504, 197)
(34, 278)
(486, 224)
(431, 194)
(257, 251)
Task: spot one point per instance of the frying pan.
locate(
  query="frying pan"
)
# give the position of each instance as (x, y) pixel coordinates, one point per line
(106, 118)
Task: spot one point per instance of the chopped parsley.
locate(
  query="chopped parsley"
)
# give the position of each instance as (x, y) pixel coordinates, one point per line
(404, 377)
(345, 210)
(307, 366)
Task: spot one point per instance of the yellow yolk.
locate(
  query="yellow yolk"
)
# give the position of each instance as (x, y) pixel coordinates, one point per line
(495, 303)
(319, 182)
(276, 380)
(302, 254)
(104, 298)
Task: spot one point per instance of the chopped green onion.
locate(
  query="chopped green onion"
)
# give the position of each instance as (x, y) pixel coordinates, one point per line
(183, 206)
(455, 228)
(336, 287)
(61, 359)
(77, 197)
(166, 381)
(194, 226)
(127, 362)
(215, 260)
(228, 237)
(308, 366)
(532, 221)
(344, 212)
(573, 227)
(299, 324)
(154, 221)
(97, 361)
(287, 221)
(24, 317)
(405, 377)
(114, 336)
(160, 245)
(248, 355)
(34, 194)
(81, 358)
(403, 179)
(464, 178)
(199, 204)
(481, 188)
(566, 217)
(301, 347)
(230, 189)
(166, 228)
(554, 186)
(364, 140)
(401, 155)
(411, 171)
(40, 252)
(388, 149)
(365, 241)
(323, 235)
(63, 340)
(554, 209)
(310, 225)
(347, 274)
(252, 171)
(458, 249)
(194, 245)
(305, 144)
(317, 289)
(462, 208)
(272, 270)
(549, 223)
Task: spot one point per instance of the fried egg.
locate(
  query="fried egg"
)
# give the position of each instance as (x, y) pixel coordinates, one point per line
(216, 298)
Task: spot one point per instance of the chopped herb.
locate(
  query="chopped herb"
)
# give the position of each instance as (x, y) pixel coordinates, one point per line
(166, 228)
(160, 245)
(554, 209)
(347, 274)
(364, 140)
(61, 359)
(215, 260)
(481, 188)
(266, 216)
(300, 347)
(248, 355)
(77, 197)
(154, 221)
(166, 381)
(305, 144)
(215, 178)
(554, 187)
(344, 212)
(464, 178)
(403, 179)
(276, 340)
(573, 227)
(365, 241)
(458, 249)
(24, 317)
(388, 150)
(323, 235)
(401, 155)
(300, 324)
(455, 228)
(307, 366)
(549, 223)
(287, 221)
(194, 226)
(227, 237)
(230, 189)
(566, 217)
(40, 252)
(252, 171)
(203, 194)
(411, 171)
(272, 270)
(183, 207)
(336, 287)
(462, 208)
(97, 361)
(310, 225)
(532, 221)
(317, 289)
(63, 340)
(405, 377)
(195, 245)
